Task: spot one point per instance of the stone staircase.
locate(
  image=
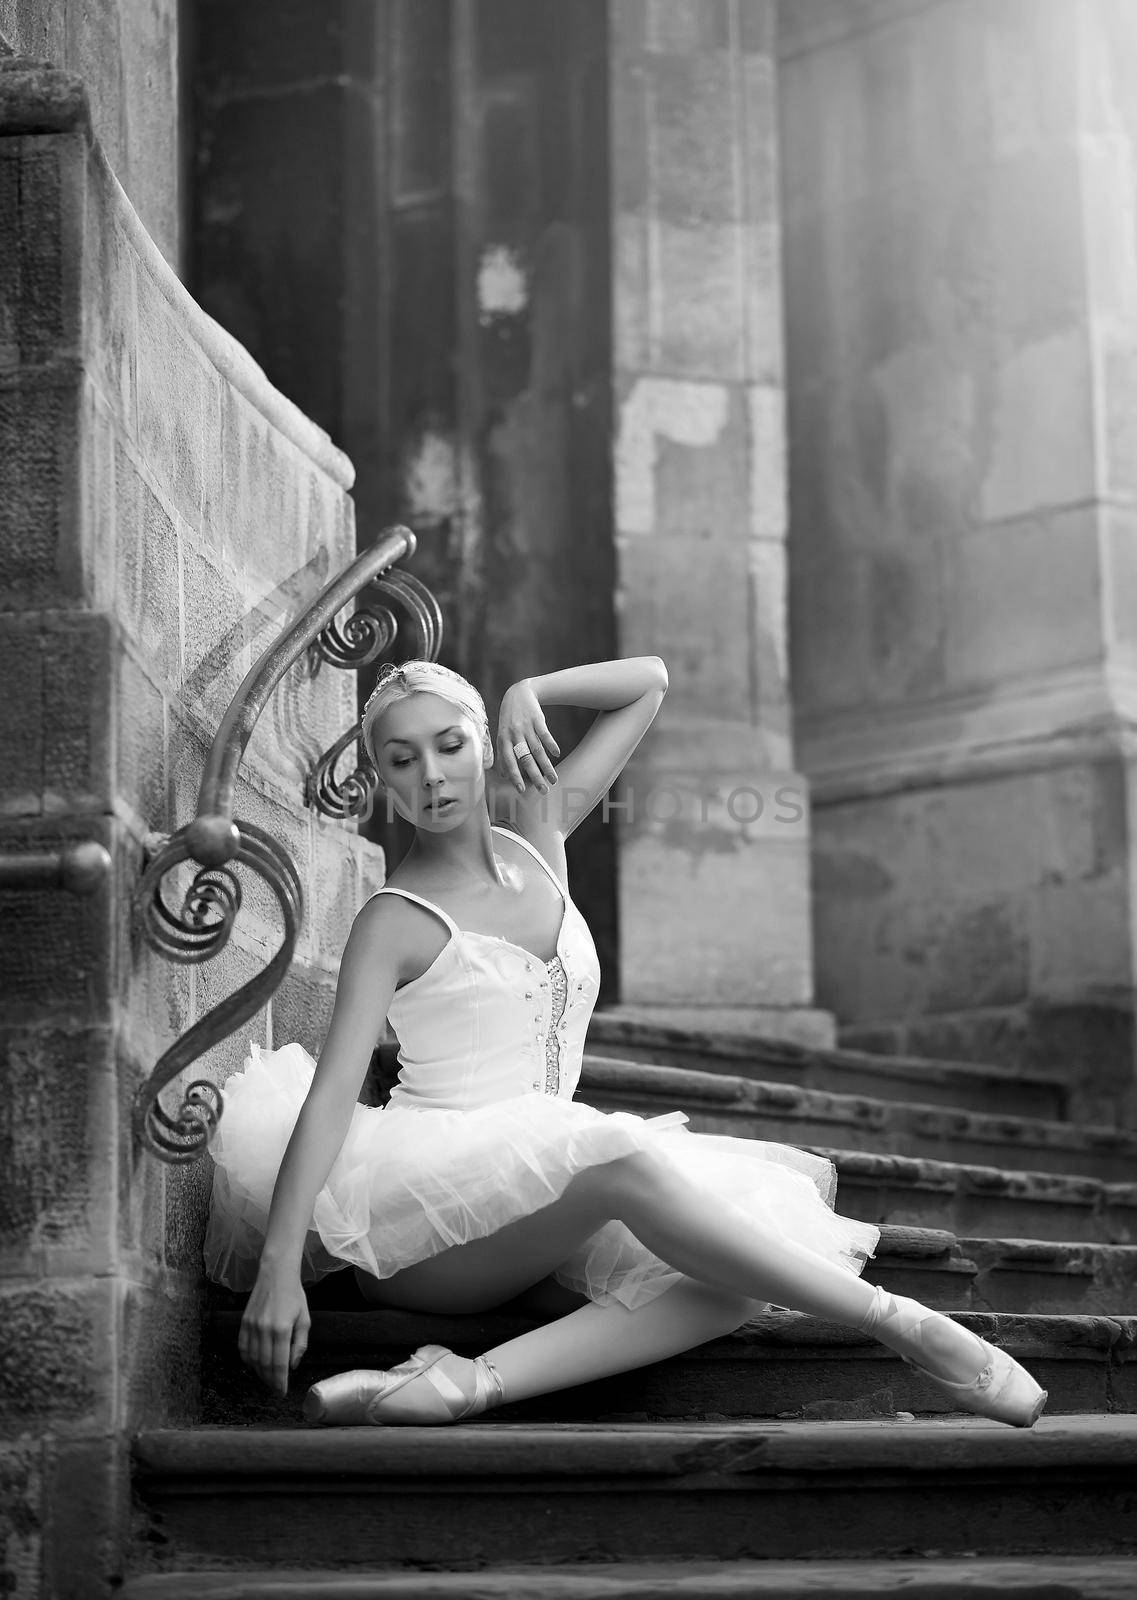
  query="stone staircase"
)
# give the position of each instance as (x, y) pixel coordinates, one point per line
(792, 1457)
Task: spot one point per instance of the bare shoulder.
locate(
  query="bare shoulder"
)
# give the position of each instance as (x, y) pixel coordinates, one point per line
(533, 825)
(396, 932)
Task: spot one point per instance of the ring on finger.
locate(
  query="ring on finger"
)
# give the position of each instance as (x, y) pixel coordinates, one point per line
(521, 749)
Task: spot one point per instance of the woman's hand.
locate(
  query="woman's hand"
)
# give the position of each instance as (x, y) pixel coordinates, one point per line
(521, 721)
(275, 1327)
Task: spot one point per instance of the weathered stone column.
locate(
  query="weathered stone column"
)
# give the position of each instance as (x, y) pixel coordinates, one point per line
(961, 259)
(714, 837)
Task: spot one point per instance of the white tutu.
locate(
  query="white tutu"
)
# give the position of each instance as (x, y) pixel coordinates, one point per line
(410, 1182)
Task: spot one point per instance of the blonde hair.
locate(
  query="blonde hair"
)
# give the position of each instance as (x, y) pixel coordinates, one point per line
(395, 683)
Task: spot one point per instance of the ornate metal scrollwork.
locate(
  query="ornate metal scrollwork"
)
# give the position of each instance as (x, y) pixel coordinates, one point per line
(198, 927)
(354, 795)
(361, 639)
(198, 930)
(351, 797)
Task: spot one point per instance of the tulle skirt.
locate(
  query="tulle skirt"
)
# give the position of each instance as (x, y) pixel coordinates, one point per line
(410, 1182)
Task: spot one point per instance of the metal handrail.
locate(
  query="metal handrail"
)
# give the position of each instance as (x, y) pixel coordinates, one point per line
(79, 868)
(200, 927)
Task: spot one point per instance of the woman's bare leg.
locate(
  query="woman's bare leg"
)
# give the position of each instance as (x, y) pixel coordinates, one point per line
(693, 1233)
(597, 1341)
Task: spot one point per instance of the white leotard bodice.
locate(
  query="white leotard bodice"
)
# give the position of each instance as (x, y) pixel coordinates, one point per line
(489, 1020)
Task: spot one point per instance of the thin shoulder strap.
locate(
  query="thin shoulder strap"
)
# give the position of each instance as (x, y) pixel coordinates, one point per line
(533, 851)
(427, 905)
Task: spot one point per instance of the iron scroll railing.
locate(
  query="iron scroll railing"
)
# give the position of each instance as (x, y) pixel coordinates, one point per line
(199, 928)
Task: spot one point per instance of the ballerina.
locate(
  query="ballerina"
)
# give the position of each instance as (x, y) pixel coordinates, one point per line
(483, 1181)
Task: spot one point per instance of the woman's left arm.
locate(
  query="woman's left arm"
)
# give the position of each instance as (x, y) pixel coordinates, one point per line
(627, 695)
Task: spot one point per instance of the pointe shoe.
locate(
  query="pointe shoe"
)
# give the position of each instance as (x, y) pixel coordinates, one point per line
(364, 1396)
(1001, 1389)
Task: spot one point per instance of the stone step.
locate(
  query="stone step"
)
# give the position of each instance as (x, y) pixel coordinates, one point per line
(483, 1493)
(967, 1199)
(786, 1114)
(927, 1578)
(777, 1365)
(1018, 1275)
(996, 1090)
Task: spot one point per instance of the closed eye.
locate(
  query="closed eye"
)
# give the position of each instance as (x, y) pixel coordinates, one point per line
(446, 749)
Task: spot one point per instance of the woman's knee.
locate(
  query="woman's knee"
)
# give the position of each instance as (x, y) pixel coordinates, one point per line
(612, 1184)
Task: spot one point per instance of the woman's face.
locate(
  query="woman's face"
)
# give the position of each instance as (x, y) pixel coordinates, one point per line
(428, 753)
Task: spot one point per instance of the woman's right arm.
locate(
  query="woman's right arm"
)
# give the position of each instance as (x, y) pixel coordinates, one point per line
(274, 1329)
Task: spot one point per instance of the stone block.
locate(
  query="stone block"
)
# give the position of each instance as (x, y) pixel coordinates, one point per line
(57, 1356)
(55, 959)
(629, 138)
(188, 1187)
(110, 268)
(1119, 409)
(627, 28)
(328, 515)
(78, 654)
(291, 828)
(21, 1516)
(1119, 579)
(768, 642)
(679, 27)
(217, 609)
(697, 289)
(21, 717)
(1081, 940)
(1006, 834)
(906, 625)
(1033, 97)
(332, 891)
(87, 1516)
(708, 917)
(39, 315)
(259, 517)
(758, 27)
(713, 650)
(58, 1132)
(97, 499)
(1107, 237)
(694, 131)
(372, 868)
(1041, 446)
(828, 631)
(148, 52)
(630, 300)
(140, 766)
(239, 963)
(910, 459)
(977, 954)
(174, 385)
(1023, 598)
(763, 353)
(148, 569)
(39, 460)
(682, 460)
(141, 1177)
(302, 1008)
(160, 1362)
(1038, 267)
(882, 959)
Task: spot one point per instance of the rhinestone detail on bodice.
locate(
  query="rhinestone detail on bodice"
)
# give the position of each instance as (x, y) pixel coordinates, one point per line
(558, 982)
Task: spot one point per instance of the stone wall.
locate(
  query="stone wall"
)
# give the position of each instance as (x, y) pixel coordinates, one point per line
(127, 52)
(958, 183)
(163, 511)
